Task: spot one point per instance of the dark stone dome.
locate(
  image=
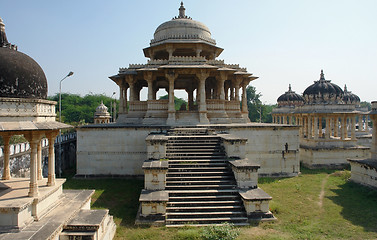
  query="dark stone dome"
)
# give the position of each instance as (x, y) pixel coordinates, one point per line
(21, 76)
(349, 97)
(290, 98)
(323, 91)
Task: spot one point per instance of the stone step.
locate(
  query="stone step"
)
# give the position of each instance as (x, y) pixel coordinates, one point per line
(175, 209)
(200, 199)
(197, 157)
(193, 149)
(206, 220)
(206, 224)
(171, 215)
(199, 182)
(203, 178)
(196, 169)
(202, 187)
(188, 161)
(208, 203)
(197, 174)
(179, 164)
(207, 192)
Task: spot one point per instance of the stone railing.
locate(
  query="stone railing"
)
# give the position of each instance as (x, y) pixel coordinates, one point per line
(31, 108)
(232, 105)
(215, 104)
(138, 106)
(20, 148)
(158, 104)
(245, 173)
(182, 36)
(158, 62)
(156, 146)
(187, 60)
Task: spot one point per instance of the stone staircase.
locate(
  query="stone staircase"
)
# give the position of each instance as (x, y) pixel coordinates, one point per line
(201, 186)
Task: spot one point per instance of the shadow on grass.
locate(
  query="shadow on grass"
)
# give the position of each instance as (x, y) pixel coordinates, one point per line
(359, 205)
(120, 196)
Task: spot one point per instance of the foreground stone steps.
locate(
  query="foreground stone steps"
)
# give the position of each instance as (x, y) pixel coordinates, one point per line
(209, 224)
(202, 189)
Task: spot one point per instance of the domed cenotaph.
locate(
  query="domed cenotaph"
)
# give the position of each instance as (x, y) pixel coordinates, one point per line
(38, 208)
(327, 116)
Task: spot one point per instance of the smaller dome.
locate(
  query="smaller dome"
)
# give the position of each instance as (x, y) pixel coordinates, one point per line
(101, 110)
(290, 98)
(323, 91)
(349, 97)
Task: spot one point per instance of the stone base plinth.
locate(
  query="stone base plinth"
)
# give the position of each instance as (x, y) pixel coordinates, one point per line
(256, 203)
(152, 207)
(17, 209)
(90, 224)
(364, 172)
(334, 158)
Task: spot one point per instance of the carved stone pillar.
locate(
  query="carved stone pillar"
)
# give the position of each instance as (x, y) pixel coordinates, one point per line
(221, 86)
(51, 157)
(148, 76)
(202, 76)
(39, 161)
(310, 127)
(343, 129)
(132, 91)
(190, 95)
(320, 127)
(328, 128)
(171, 76)
(6, 170)
(316, 127)
(34, 138)
(244, 99)
(374, 137)
(353, 127)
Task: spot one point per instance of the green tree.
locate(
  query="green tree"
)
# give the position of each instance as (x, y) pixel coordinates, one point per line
(257, 110)
(78, 110)
(178, 102)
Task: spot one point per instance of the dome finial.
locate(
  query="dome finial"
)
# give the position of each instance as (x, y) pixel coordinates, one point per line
(322, 75)
(182, 11)
(3, 37)
(345, 88)
(289, 88)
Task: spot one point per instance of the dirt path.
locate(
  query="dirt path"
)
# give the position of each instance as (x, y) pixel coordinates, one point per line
(322, 193)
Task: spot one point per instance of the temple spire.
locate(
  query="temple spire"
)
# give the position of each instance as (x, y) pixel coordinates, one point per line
(345, 88)
(182, 11)
(289, 88)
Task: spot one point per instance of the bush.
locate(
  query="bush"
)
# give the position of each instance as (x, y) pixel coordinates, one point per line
(225, 231)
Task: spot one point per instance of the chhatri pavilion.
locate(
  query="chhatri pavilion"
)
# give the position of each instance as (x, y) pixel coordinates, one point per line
(327, 116)
(182, 56)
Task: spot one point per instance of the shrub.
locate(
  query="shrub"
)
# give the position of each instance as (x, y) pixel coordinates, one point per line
(225, 231)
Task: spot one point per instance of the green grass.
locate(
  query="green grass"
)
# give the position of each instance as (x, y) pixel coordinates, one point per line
(344, 210)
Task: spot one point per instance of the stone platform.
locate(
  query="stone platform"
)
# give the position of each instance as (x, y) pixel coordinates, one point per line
(17, 209)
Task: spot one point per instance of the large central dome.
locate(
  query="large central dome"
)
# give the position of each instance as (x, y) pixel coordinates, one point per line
(182, 29)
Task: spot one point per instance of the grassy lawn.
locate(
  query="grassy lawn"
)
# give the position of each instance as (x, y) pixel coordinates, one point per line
(319, 204)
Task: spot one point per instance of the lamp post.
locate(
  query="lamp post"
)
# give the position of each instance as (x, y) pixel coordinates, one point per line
(111, 107)
(60, 120)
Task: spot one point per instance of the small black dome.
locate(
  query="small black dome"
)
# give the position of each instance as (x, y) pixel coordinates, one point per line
(349, 97)
(290, 98)
(21, 76)
(323, 91)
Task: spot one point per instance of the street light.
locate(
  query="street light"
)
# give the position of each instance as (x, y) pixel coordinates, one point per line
(60, 120)
(111, 106)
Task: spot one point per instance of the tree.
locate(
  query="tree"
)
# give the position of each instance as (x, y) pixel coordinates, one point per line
(178, 102)
(258, 112)
(77, 109)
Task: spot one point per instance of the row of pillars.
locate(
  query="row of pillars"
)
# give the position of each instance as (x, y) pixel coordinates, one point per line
(218, 92)
(312, 125)
(34, 138)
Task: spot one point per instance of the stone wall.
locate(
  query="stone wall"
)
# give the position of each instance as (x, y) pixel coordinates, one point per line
(112, 151)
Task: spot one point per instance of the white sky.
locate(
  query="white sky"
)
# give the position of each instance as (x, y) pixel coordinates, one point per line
(282, 42)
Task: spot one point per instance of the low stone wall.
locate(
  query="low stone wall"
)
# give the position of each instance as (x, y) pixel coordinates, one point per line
(364, 172)
(335, 158)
